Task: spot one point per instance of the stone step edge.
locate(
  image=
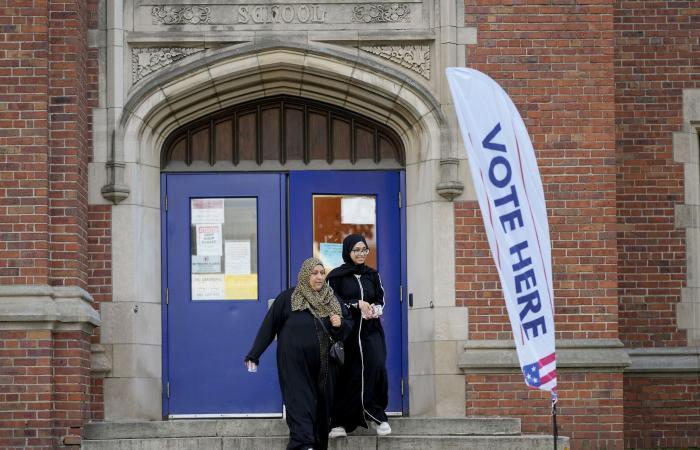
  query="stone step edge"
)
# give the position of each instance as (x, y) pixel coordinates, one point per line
(479, 426)
(525, 437)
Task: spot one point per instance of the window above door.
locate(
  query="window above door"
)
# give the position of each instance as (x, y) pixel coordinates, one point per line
(282, 130)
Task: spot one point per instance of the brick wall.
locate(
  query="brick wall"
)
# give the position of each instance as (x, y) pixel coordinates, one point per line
(44, 387)
(100, 284)
(26, 389)
(662, 412)
(44, 374)
(99, 220)
(43, 142)
(556, 63)
(24, 233)
(590, 409)
(567, 68)
(68, 120)
(657, 55)
(71, 384)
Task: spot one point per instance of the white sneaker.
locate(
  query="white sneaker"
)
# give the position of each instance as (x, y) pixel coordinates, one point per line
(382, 429)
(337, 432)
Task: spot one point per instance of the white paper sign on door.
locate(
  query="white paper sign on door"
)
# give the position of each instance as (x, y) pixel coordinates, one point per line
(237, 256)
(209, 239)
(208, 287)
(357, 210)
(208, 210)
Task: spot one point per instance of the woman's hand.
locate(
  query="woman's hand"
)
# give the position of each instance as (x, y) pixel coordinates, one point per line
(251, 366)
(335, 320)
(365, 309)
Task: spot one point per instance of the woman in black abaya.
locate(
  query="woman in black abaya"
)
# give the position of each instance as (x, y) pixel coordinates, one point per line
(305, 372)
(361, 392)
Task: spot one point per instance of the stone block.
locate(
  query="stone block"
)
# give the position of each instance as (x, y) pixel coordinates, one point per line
(132, 399)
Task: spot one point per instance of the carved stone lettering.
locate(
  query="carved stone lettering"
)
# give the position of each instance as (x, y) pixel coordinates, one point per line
(298, 13)
(381, 12)
(177, 15)
(145, 61)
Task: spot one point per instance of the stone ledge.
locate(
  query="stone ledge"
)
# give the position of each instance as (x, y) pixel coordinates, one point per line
(100, 361)
(43, 306)
(499, 356)
(664, 360)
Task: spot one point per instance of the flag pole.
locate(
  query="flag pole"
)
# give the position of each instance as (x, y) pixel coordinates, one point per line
(554, 422)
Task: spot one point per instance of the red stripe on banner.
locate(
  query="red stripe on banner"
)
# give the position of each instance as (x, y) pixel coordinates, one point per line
(488, 202)
(539, 246)
(549, 377)
(547, 359)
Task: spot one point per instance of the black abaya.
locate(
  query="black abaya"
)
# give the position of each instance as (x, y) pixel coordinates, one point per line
(361, 392)
(306, 376)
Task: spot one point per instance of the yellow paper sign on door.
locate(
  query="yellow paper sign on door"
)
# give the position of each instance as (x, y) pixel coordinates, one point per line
(241, 287)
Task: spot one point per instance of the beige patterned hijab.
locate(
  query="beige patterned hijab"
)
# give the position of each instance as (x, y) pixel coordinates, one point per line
(323, 302)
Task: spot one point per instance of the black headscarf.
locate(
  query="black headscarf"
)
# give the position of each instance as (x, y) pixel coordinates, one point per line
(350, 267)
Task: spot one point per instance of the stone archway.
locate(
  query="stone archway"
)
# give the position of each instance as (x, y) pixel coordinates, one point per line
(226, 77)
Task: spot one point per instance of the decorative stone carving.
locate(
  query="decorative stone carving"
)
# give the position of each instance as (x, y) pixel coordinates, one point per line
(381, 13)
(177, 15)
(145, 61)
(414, 57)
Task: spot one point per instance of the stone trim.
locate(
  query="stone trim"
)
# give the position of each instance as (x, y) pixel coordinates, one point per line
(100, 361)
(40, 307)
(687, 215)
(179, 15)
(412, 57)
(145, 61)
(407, 107)
(381, 13)
(664, 360)
(591, 355)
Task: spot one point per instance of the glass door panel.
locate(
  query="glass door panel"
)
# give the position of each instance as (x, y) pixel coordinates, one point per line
(335, 217)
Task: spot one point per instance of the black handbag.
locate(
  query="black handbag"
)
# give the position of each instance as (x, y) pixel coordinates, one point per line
(336, 352)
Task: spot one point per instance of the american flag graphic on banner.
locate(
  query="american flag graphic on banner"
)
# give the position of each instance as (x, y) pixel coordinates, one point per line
(542, 374)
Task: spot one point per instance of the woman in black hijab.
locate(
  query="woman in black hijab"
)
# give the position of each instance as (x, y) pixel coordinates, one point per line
(361, 393)
(305, 373)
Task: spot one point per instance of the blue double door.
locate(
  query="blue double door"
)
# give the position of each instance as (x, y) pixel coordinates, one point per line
(231, 243)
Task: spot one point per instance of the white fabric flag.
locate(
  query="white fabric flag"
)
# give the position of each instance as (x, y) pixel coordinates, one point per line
(511, 199)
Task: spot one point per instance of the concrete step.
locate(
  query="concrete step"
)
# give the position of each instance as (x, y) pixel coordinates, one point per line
(270, 434)
(458, 426)
(528, 442)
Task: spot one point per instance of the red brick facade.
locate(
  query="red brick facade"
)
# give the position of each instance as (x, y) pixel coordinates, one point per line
(599, 85)
(44, 387)
(24, 170)
(100, 285)
(44, 373)
(590, 411)
(662, 412)
(657, 56)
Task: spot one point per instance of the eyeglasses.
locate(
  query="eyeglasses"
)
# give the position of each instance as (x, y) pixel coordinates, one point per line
(360, 251)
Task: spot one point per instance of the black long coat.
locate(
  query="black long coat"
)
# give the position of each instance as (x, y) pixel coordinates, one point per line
(362, 389)
(305, 374)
